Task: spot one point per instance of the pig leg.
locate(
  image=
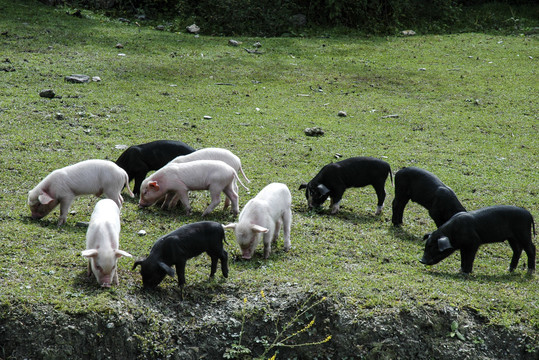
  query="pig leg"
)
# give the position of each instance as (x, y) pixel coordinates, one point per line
(116, 197)
(267, 243)
(224, 263)
(180, 269)
(214, 262)
(278, 224)
(65, 204)
(398, 205)
(517, 251)
(381, 195)
(227, 200)
(184, 198)
(287, 221)
(233, 196)
(467, 257)
(115, 278)
(335, 205)
(215, 194)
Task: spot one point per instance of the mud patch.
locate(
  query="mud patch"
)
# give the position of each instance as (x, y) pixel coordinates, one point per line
(150, 326)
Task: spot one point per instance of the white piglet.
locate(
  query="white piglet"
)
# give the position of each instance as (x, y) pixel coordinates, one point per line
(86, 177)
(223, 155)
(102, 243)
(174, 181)
(265, 213)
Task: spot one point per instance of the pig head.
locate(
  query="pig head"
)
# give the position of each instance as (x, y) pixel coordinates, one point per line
(102, 242)
(263, 216)
(467, 231)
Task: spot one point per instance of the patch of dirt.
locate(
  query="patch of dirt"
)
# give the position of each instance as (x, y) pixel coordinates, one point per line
(205, 326)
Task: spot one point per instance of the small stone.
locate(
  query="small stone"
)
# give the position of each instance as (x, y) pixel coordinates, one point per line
(408, 32)
(233, 42)
(47, 93)
(119, 46)
(141, 233)
(342, 113)
(314, 131)
(96, 79)
(77, 79)
(193, 29)
(257, 44)
(160, 27)
(59, 116)
(422, 69)
(207, 117)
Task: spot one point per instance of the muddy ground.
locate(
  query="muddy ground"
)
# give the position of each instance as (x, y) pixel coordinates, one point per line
(205, 326)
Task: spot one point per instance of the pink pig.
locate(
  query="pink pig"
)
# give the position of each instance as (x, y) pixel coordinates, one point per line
(223, 155)
(102, 242)
(179, 179)
(86, 177)
(265, 213)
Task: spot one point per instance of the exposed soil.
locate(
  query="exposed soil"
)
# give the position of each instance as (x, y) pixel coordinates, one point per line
(204, 326)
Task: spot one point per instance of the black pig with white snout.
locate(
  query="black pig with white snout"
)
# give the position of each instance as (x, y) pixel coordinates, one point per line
(333, 179)
(466, 231)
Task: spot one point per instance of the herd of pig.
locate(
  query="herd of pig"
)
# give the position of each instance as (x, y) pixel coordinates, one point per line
(181, 169)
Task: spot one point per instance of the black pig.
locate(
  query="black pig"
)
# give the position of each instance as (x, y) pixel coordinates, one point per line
(180, 245)
(333, 179)
(137, 160)
(427, 190)
(466, 231)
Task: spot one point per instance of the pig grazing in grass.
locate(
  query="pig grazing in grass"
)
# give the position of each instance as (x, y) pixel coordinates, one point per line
(86, 177)
(137, 160)
(180, 245)
(174, 181)
(333, 179)
(102, 242)
(265, 213)
(466, 231)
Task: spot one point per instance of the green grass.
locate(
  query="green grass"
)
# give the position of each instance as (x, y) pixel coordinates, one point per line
(470, 117)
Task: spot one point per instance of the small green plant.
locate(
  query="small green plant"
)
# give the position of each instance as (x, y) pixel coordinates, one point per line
(283, 334)
(455, 331)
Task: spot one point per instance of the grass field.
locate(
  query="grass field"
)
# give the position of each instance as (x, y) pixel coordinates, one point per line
(462, 106)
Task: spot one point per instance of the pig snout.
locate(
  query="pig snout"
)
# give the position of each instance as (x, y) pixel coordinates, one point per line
(246, 254)
(106, 281)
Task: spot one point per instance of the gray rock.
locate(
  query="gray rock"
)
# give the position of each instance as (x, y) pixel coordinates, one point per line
(160, 27)
(47, 93)
(193, 29)
(342, 113)
(77, 79)
(233, 42)
(314, 131)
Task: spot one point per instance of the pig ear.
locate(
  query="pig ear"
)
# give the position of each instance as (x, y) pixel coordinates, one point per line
(444, 244)
(153, 185)
(323, 189)
(168, 269)
(89, 253)
(120, 253)
(45, 198)
(259, 229)
(302, 186)
(230, 226)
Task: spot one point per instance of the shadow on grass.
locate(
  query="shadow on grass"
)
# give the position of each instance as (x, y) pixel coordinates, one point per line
(505, 277)
(402, 234)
